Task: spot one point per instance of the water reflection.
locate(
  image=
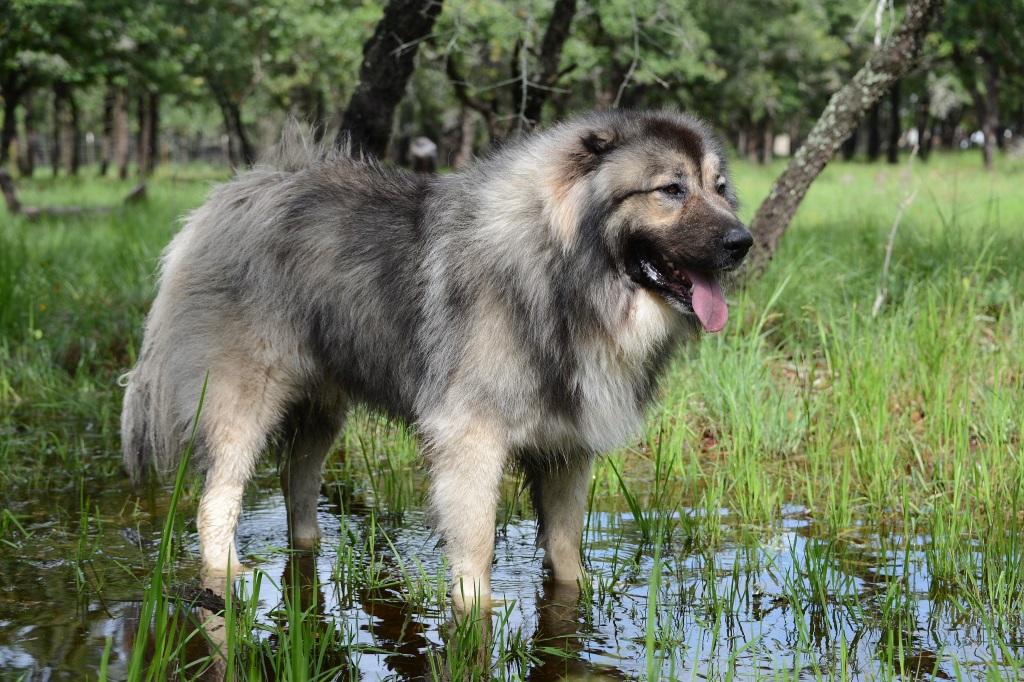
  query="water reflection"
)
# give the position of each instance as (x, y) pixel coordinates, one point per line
(789, 602)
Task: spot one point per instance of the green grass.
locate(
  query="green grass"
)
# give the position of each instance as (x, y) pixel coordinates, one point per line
(853, 482)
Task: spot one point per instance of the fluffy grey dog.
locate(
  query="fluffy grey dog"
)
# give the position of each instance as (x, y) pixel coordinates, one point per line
(515, 313)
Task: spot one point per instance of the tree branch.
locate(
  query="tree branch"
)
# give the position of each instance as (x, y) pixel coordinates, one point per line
(842, 114)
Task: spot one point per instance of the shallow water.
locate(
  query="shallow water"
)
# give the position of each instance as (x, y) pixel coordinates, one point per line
(773, 602)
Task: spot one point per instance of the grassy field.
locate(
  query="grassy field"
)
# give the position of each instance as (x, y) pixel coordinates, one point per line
(822, 492)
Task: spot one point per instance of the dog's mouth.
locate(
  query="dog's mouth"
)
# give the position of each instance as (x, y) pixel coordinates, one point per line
(688, 289)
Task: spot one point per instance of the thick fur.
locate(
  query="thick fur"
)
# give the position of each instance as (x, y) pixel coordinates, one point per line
(490, 308)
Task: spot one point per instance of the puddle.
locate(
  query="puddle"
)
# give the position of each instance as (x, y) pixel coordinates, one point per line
(788, 603)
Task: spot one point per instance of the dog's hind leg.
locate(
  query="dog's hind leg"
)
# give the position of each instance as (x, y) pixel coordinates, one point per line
(466, 464)
(243, 408)
(559, 491)
(313, 430)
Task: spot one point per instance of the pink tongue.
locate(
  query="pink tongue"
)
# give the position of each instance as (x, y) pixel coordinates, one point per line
(708, 302)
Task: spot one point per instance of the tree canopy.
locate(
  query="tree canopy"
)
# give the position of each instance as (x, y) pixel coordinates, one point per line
(220, 76)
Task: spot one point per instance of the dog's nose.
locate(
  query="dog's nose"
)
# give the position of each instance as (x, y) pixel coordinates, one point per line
(737, 242)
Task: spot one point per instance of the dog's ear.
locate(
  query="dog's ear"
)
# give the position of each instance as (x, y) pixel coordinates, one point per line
(599, 142)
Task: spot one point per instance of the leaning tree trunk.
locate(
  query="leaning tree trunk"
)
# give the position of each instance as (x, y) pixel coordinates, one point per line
(844, 110)
(540, 84)
(388, 61)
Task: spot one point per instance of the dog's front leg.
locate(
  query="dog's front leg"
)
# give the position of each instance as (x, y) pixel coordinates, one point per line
(466, 465)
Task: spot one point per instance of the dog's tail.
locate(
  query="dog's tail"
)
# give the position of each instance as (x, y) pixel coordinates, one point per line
(151, 437)
(137, 446)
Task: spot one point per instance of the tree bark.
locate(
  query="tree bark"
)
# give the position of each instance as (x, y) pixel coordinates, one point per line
(388, 61)
(539, 87)
(844, 110)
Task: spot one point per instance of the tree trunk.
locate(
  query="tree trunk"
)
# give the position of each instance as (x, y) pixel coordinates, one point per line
(29, 140)
(10, 128)
(65, 129)
(765, 141)
(107, 145)
(143, 146)
(892, 151)
(388, 62)
(947, 130)
(57, 148)
(874, 133)
(467, 134)
(154, 131)
(753, 140)
(240, 149)
(486, 109)
(73, 135)
(121, 133)
(990, 120)
(539, 87)
(850, 145)
(924, 125)
(844, 110)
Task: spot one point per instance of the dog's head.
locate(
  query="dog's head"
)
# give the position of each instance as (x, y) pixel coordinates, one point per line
(659, 198)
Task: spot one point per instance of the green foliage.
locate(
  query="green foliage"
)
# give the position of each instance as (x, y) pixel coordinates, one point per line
(750, 68)
(813, 477)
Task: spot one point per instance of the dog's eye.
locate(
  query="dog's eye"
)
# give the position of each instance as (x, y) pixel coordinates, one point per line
(720, 185)
(673, 190)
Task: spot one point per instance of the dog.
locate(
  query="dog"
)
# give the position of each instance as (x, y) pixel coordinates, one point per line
(517, 313)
